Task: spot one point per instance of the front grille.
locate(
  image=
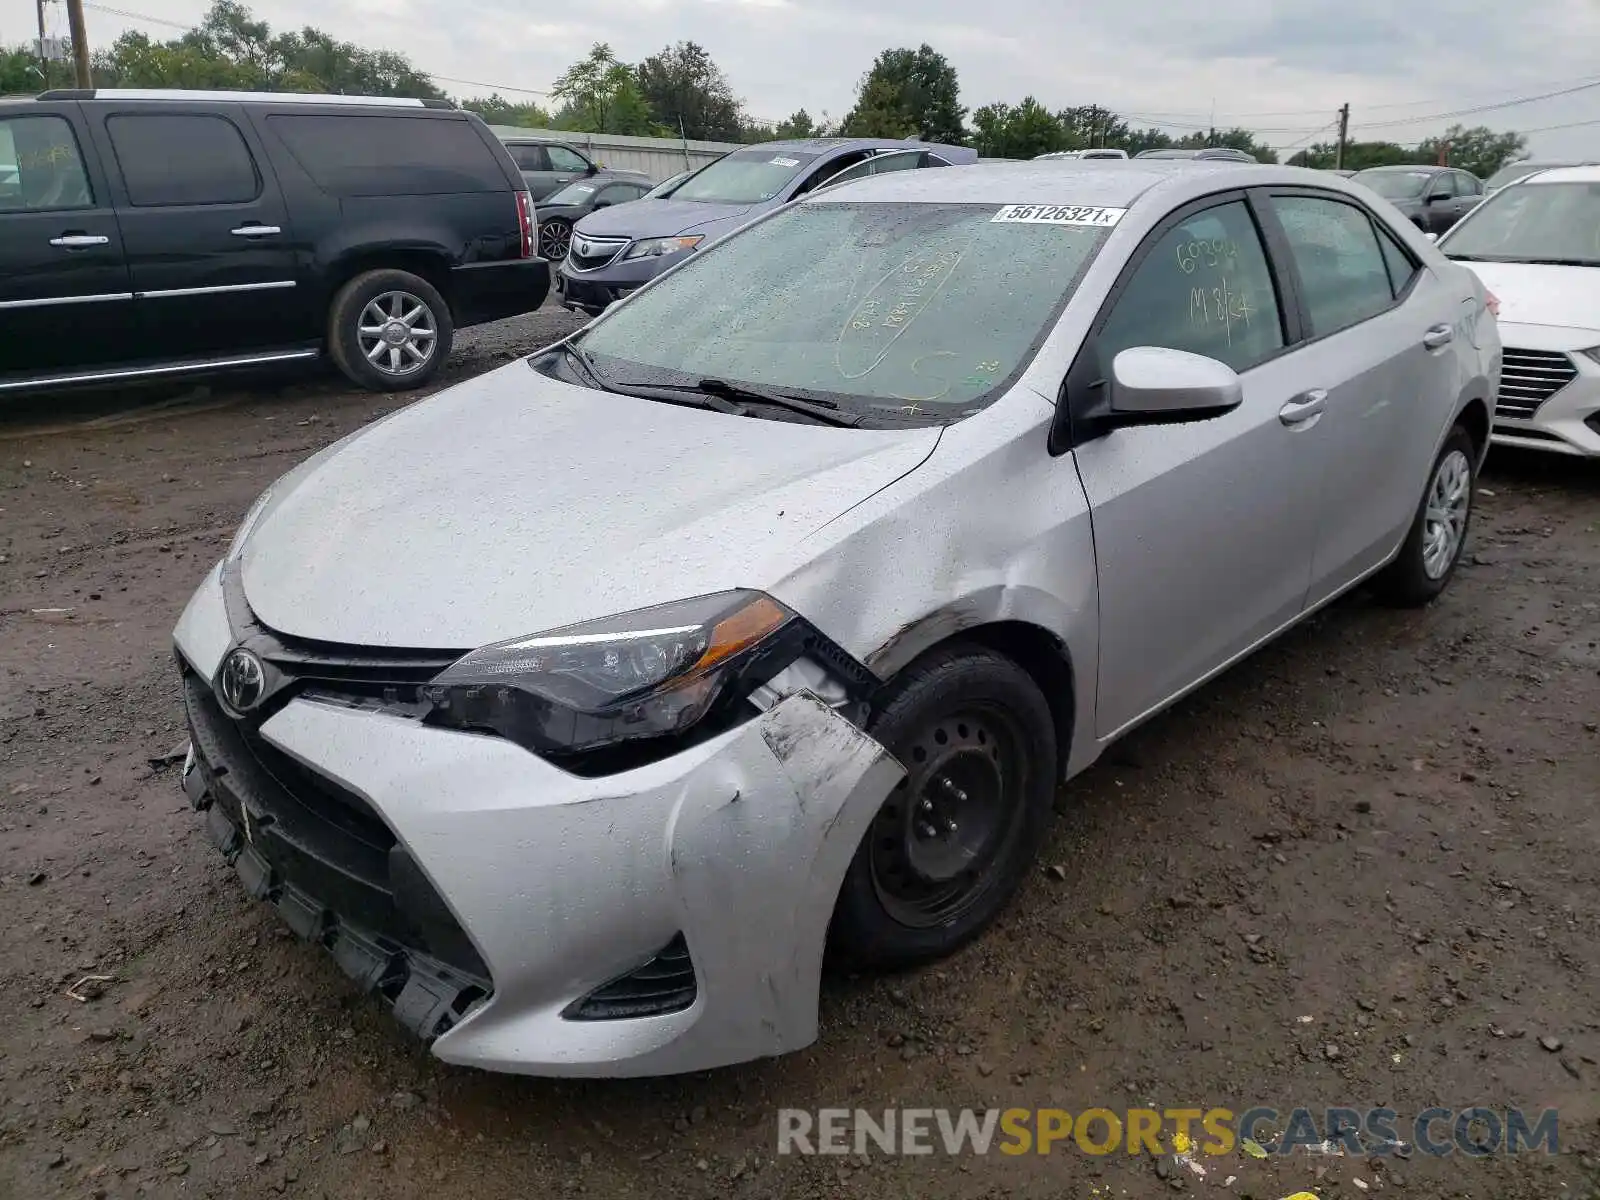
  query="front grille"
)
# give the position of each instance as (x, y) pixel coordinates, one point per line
(665, 984)
(598, 252)
(334, 869)
(1530, 377)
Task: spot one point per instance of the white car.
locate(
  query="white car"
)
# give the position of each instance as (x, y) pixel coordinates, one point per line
(1536, 245)
(1107, 153)
(579, 708)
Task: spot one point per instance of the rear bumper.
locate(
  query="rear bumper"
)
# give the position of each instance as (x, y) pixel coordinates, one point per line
(492, 291)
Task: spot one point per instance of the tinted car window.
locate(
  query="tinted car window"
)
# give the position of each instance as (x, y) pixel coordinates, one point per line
(617, 193)
(1401, 268)
(40, 167)
(1467, 185)
(384, 155)
(562, 159)
(528, 158)
(182, 158)
(1342, 270)
(1204, 288)
(1394, 184)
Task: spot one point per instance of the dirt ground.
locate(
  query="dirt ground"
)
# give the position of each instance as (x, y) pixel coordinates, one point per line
(1359, 870)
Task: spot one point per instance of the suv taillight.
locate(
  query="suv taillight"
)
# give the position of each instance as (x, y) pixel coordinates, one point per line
(528, 220)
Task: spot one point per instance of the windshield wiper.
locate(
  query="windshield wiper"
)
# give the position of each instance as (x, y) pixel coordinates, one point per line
(581, 357)
(667, 395)
(1559, 262)
(825, 412)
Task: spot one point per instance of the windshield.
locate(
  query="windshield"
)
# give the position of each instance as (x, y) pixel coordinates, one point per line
(1533, 222)
(573, 193)
(1167, 154)
(905, 311)
(665, 186)
(1511, 173)
(1394, 185)
(744, 177)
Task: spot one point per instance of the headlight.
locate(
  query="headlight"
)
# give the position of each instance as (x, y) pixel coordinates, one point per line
(656, 247)
(245, 526)
(1592, 353)
(649, 673)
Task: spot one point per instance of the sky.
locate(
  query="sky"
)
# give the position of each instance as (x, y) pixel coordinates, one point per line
(1281, 67)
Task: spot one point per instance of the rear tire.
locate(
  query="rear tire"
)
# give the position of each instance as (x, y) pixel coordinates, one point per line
(1433, 546)
(952, 843)
(389, 330)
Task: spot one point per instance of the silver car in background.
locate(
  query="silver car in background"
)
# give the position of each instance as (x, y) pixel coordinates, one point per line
(581, 709)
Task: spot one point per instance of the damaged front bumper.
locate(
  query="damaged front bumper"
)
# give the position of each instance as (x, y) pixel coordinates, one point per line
(669, 918)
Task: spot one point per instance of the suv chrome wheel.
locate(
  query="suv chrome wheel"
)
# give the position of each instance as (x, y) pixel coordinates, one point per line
(398, 333)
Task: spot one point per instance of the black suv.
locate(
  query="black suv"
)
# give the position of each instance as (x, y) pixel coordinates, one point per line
(150, 233)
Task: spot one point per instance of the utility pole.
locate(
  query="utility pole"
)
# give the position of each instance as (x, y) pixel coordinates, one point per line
(80, 43)
(44, 58)
(1344, 134)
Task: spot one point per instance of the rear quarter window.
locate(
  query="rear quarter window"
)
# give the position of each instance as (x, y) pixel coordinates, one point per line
(389, 155)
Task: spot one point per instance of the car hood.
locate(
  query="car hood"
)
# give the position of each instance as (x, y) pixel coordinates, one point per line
(658, 218)
(1539, 294)
(514, 503)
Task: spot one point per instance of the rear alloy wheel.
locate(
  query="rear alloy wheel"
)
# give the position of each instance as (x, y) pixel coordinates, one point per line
(1438, 533)
(555, 235)
(949, 846)
(389, 330)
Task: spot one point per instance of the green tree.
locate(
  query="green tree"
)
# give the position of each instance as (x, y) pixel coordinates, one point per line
(798, 125)
(688, 93)
(19, 72)
(1022, 130)
(1137, 141)
(1479, 149)
(1089, 125)
(1358, 156)
(601, 95)
(495, 109)
(908, 92)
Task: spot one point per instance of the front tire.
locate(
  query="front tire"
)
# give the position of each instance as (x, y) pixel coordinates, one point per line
(389, 330)
(951, 844)
(555, 236)
(1432, 550)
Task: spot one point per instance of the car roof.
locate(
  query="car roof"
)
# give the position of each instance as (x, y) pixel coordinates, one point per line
(1411, 168)
(1578, 173)
(1095, 182)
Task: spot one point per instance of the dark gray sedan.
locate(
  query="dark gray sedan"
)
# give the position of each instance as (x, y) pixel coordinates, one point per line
(615, 252)
(563, 209)
(1433, 198)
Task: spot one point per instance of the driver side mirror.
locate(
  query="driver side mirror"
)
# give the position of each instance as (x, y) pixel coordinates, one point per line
(591, 169)
(1432, 197)
(602, 203)
(1154, 385)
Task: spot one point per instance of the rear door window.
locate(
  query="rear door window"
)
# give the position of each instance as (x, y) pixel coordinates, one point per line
(529, 158)
(40, 166)
(182, 158)
(1205, 287)
(379, 154)
(1343, 273)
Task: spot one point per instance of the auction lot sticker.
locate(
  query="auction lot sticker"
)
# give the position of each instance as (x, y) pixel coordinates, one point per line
(1060, 214)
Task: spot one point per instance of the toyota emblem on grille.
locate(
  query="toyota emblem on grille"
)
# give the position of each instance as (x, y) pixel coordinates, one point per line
(243, 681)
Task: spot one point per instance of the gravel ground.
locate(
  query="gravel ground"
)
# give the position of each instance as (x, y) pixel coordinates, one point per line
(1358, 870)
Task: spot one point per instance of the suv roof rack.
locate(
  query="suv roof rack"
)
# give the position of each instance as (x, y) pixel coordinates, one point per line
(237, 97)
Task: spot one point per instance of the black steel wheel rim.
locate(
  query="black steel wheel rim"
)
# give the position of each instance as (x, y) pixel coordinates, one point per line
(937, 840)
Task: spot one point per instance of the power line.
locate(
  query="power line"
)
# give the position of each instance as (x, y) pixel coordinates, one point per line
(1483, 108)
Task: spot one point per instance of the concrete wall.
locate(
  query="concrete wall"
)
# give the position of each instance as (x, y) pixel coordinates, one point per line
(659, 158)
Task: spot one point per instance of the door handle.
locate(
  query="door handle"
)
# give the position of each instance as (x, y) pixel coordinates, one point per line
(255, 231)
(1304, 406)
(1438, 336)
(73, 241)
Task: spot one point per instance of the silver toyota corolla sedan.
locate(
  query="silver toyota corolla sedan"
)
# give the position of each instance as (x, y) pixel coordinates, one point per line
(583, 709)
